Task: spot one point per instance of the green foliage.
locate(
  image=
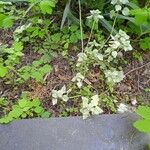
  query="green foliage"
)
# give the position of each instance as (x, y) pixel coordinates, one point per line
(10, 57)
(36, 71)
(25, 108)
(143, 125)
(94, 4)
(47, 6)
(3, 70)
(3, 102)
(5, 21)
(145, 44)
(96, 63)
(142, 16)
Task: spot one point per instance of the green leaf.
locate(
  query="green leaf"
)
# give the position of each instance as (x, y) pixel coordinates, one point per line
(45, 114)
(16, 113)
(18, 46)
(24, 115)
(144, 111)
(23, 103)
(38, 109)
(45, 69)
(47, 6)
(66, 13)
(35, 103)
(37, 76)
(6, 120)
(145, 43)
(142, 125)
(5, 21)
(3, 70)
(26, 108)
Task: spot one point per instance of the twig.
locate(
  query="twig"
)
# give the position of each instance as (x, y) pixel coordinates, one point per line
(137, 68)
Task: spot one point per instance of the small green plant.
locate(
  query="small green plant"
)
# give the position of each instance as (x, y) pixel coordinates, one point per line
(143, 125)
(6, 19)
(36, 71)
(3, 102)
(25, 108)
(145, 44)
(10, 57)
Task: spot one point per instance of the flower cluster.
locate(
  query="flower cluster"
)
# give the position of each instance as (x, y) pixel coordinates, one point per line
(82, 57)
(79, 79)
(60, 94)
(120, 41)
(90, 106)
(119, 6)
(95, 15)
(114, 76)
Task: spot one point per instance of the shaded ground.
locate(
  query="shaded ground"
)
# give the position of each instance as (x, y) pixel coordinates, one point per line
(131, 88)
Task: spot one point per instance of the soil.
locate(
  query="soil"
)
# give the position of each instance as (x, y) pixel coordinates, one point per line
(132, 87)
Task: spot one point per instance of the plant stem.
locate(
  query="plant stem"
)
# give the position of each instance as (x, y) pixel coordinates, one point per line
(81, 28)
(112, 30)
(91, 32)
(75, 96)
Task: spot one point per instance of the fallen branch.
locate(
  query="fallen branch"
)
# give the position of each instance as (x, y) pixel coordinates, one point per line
(137, 68)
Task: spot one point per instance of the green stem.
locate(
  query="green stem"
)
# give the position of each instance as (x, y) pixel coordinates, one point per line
(75, 96)
(114, 23)
(93, 25)
(81, 28)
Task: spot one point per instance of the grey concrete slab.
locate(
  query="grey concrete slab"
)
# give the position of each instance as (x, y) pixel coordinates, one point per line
(105, 132)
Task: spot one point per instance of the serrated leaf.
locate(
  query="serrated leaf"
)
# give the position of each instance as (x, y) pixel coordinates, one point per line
(47, 6)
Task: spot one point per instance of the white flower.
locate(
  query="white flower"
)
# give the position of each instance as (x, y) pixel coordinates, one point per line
(60, 94)
(95, 15)
(97, 55)
(114, 44)
(114, 54)
(121, 41)
(94, 44)
(112, 13)
(122, 108)
(114, 76)
(125, 11)
(79, 79)
(134, 101)
(81, 58)
(124, 1)
(114, 2)
(90, 107)
(118, 7)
